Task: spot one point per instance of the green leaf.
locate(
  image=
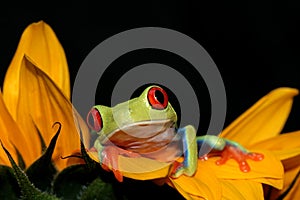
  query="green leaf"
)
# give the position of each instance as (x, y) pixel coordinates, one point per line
(136, 189)
(72, 180)
(44, 166)
(98, 190)
(28, 190)
(8, 183)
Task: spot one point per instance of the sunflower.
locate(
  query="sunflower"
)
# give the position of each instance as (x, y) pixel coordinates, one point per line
(36, 95)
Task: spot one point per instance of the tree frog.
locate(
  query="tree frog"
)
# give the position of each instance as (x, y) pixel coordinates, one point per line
(146, 126)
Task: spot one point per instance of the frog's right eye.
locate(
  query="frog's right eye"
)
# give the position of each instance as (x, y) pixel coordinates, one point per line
(157, 98)
(94, 120)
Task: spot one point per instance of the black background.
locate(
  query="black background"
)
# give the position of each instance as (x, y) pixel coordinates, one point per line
(254, 45)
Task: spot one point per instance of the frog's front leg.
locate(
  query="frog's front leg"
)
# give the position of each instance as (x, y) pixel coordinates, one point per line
(228, 149)
(189, 143)
(108, 156)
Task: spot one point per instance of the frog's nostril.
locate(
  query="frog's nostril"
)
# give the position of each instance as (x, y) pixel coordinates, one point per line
(94, 120)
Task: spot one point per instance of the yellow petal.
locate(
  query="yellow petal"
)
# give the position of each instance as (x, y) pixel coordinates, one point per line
(287, 148)
(241, 189)
(41, 102)
(285, 145)
(5, 130)
(291, 168)
(293, 193)
(203, 185)
(143, 168)
(11, 136)
(40, 43)
(265, 119)
(139, 168)
(268, 171)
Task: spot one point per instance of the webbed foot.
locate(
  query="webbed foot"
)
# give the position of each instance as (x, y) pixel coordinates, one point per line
(236, 153)
(231, 152)
(177, 169)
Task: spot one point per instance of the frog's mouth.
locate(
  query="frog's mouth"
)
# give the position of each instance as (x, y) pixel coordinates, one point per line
(144, 136)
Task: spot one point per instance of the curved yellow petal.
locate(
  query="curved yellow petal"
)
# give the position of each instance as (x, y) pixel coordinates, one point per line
(41, 102)
(287, 148)
(40, 43)
(284, 146)
(11, 136)
(139, 168)
(241, 189)
(265, 119)
(268, 171)
(5, 120)
(203, 185)
(143, 168)
(291, 169)
(294, 193)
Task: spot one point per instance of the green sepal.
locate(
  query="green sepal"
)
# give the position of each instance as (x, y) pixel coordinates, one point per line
(44, 166)
(28, 190)
(93, 166)
(73, 181)
(70, 182)
(147, 189)
(8, 183)
(98, 190)
(90, 163)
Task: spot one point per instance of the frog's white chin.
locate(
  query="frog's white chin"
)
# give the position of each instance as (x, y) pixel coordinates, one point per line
(146, 129)
(143, 137)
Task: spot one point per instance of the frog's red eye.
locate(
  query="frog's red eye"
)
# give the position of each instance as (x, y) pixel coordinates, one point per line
(94, 120)
(158, 98)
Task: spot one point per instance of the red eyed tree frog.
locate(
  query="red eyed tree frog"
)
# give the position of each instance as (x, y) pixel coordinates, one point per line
(146, 126)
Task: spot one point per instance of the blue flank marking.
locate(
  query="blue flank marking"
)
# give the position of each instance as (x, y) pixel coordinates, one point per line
(182, 132)
(199, 142)
(236, 145)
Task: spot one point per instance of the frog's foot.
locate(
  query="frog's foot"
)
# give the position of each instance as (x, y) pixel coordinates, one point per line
(109, 159)
(239, 155)
(177, 169)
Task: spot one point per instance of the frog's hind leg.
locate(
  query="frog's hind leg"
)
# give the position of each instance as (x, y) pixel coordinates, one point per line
(209, 143)
(189, 164)
(226, 149)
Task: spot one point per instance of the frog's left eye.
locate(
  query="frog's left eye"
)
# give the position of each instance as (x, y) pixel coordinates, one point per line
(157, 98)
(94, 120)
